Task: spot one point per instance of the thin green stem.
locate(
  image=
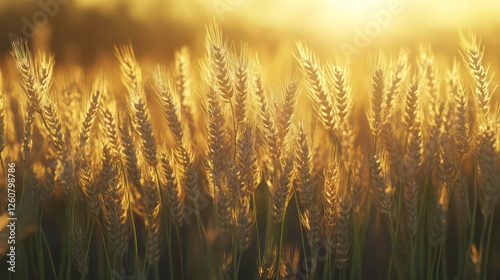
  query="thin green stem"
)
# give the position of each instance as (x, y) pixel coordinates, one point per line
(445, 262)
(354, 266)
(280, 245)
(134, 233)
(301, 235)
(486, 256)
(430, 260)
(50, 255)
(156, 272)
(473, 225)
(239, 263)
(106, 253)
(169, 249)
(412, 258)
(235, 127)
(395, 233)
(259, 261)
(145, 262)
(41, 265)
(439, 260)
(201, 229)
(181, 258)
(434, 257)
(235, 259)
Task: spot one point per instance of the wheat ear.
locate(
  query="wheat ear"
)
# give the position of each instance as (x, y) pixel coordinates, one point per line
(130, 71)
(115, 208)
(487, 158)
(377, 98)
(152, 219)
(461, 126)
(44, 65)
(183, 86)
(285, 114)
(344, 226)
(303, 163)
(241, 86)
(316, 85)
(382, 187)
(219, 63)
(218, 138)
(54, 125)
(396, 80)
(144, 128)
(246, 223)
(267, 125)
(79, 241)
(247, 160)
(472, 54)
(172, 191)
(290, 262)
(282, 189)
(89, 118)
(24, 63)
(330, 205)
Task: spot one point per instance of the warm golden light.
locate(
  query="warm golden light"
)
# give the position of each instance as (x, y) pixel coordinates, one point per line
(249, 139)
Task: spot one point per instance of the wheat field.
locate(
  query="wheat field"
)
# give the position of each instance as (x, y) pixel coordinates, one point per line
(206, 169)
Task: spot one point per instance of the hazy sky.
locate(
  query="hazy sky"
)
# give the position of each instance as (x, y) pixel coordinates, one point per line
(327, 22)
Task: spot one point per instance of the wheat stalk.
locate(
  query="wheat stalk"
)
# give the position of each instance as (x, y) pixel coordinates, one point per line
(487, 157)
(169, 105)
(89, 189)
(183, 86)
(267, 268)
(217, 52)
(115, 208)
(144, 129)
(152, 219)
(24, 63)
(246, 223)
(172, 191)
(472, 54)
(218, 138)
(461, 119)
(241, 86)
(89, 119)
(330, 205)
(132, 165)
(44, 66)
(281, 189)
(377, 98)
(303, 164)
(285, 114)
(247, 162)
(290, 262)
(130, 71)
(79, 242)
(396, 80)
(382, 187)
(344, 225)
(268, 127)
(316, 86)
